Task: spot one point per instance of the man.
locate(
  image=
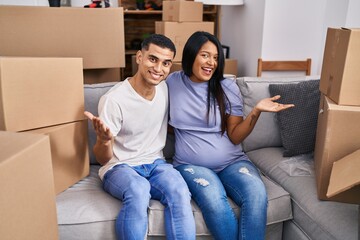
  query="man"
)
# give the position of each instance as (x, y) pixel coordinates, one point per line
(131, 133)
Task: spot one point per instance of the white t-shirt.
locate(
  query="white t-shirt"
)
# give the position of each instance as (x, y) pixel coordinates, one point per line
(139, 126)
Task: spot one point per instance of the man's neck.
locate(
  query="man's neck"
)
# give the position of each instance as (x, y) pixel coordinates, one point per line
(144, 90)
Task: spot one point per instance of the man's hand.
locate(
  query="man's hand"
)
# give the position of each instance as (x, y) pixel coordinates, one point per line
(270, 105)
(103, 133)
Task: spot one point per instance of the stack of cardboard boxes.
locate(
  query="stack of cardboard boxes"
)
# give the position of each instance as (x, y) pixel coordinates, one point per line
(46, 55)
(337, 149)
(39, 98)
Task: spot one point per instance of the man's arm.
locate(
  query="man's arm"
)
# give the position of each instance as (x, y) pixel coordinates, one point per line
(103, 148)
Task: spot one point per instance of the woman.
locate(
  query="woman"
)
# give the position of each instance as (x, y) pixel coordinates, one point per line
(207, 118)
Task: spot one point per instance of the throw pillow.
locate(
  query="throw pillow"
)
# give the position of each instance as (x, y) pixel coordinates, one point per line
(267, 131)
(298, 124)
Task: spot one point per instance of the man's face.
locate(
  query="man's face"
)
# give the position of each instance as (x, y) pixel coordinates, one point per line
(154, 64)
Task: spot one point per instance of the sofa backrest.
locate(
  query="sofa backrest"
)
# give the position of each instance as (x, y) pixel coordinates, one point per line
(266, 132)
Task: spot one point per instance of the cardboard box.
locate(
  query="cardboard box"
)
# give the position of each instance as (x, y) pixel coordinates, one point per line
(134, 65)
(69, 151)
(337, 136)
(231, 66)
(96, 35)
(40, 92)
(182, 11)
(345, 179)
(176, 66)
(92, 76)
(27, 199)
(340, 75)
(179, 32)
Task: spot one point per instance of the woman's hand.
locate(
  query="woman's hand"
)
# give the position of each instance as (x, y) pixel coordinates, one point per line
(270, 105)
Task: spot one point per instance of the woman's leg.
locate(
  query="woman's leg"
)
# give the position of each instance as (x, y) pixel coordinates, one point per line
(168, 186)
(209, 194)
(127, 185)
(243, 184)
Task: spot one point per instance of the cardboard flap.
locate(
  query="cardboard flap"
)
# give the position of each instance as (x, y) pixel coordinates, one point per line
(345, 174)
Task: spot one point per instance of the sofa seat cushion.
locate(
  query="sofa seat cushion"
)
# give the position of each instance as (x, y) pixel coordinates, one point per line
(86, 205)
(321, 220)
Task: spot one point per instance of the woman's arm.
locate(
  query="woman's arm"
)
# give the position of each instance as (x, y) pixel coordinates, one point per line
(238, 128)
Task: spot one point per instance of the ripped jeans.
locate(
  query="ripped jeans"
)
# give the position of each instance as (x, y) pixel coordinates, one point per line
(242, 183)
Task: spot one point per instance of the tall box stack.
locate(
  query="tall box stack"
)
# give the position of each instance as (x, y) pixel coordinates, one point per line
(27, 199)
(337, 163)
(96, 35)
(180, 20)
(46, 96)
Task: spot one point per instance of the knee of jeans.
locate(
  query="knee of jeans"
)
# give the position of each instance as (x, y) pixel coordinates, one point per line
(181, 193)
(138, 190)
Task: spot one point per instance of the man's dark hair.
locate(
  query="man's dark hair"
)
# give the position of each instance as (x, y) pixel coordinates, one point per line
(158, 40)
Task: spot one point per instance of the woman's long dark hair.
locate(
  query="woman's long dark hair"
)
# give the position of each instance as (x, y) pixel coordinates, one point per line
(215, 92)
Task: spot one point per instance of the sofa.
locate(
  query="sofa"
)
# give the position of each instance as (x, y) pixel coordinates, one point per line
(85, 211)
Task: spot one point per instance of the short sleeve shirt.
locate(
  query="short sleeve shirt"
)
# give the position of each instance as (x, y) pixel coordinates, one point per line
(139, 126)
(198, 139)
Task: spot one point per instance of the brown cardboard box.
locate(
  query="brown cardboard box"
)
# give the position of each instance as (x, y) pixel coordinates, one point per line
(182, 11)
(27, 199)
(70, 153)
(345, 179)
(231, 67)
(176, 66)
(179, 32)
(134, 66)
(337, 136)
(96, 35)
(92, 76)
(40, 92)
(340, 75)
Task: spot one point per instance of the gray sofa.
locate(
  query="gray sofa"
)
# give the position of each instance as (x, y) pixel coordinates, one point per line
(85, 211)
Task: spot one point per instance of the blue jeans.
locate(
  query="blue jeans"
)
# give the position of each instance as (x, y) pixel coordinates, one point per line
(242, 183)
(135, 186)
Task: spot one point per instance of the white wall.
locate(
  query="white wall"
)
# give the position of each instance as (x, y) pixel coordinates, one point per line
(241, 28)
(283, 29)
(353, 16)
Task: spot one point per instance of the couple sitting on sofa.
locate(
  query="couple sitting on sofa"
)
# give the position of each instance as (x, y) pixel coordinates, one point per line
(205, 113)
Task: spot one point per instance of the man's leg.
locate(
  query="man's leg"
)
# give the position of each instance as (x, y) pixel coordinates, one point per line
(133, 190)
(170, 189)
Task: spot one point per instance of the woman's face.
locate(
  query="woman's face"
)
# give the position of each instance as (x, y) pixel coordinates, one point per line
(205, 63)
